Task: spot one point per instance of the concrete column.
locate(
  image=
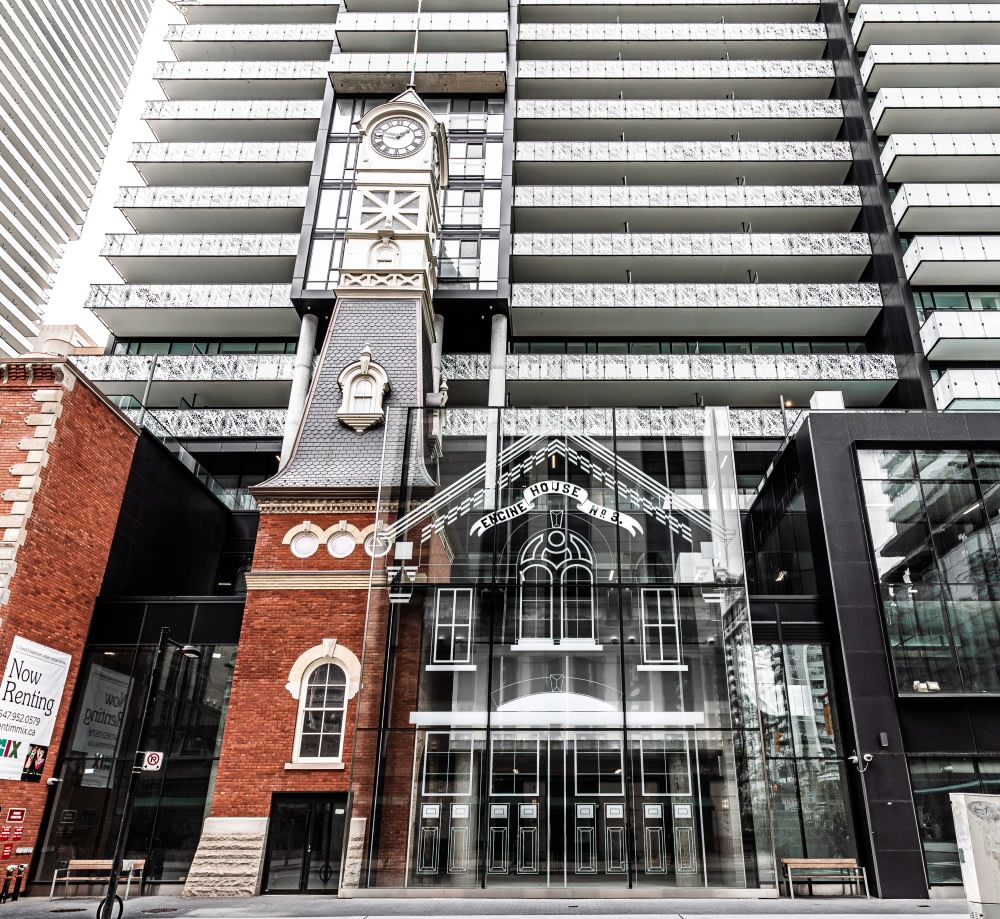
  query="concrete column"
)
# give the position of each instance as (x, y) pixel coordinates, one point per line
(301, 378)
(436, 347)
(496, 398)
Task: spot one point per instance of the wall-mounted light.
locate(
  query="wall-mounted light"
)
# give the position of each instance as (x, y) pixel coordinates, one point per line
(861, 763)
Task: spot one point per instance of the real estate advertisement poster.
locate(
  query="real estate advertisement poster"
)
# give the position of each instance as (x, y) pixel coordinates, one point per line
(99, 723)
(32, 688)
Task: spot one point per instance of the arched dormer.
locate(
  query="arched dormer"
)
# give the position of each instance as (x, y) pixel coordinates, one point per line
(363, 385)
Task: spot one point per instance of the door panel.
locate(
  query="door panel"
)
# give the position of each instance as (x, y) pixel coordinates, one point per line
(305, 843)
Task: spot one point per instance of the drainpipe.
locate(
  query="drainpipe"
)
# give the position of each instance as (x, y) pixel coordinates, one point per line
(496, 397)
(301, 378)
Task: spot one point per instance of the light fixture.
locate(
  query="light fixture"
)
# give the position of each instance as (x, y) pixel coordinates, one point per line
(861, 763)
(781, 576)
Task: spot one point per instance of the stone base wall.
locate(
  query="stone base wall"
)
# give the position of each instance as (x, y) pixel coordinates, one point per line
(230, 858)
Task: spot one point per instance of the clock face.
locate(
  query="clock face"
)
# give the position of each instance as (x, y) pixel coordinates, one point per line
(398, 136)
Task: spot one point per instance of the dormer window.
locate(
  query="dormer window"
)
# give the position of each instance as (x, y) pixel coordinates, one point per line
(364, 386)
(363, 398)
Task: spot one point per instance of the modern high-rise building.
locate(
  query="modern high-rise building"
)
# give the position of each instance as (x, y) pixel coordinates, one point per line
(64, 68)
(618, 518)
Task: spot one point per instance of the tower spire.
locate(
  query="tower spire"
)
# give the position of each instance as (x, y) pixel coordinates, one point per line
(416, 41)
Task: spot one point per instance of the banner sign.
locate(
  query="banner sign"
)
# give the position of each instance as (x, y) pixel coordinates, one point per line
(30, 693)
(560, 490)
(99, 723)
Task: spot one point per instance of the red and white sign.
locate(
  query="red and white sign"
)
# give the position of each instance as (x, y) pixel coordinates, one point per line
(18, 832)
(16, 815)
(7, 851)
(152, 761)
(5, 832)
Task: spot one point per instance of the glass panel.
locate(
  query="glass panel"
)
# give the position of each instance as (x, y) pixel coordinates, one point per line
(932, 782)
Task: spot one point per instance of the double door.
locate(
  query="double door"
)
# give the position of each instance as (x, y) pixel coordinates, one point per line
(305, 843)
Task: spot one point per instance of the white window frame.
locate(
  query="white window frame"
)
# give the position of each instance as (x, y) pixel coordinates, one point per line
(663, 626)
(456, 630)
(297, 756)
(328, 651)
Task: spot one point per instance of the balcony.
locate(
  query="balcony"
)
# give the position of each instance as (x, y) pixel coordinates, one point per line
(947, 208)
(961, 336)
(248, 163)
(201, 311)
(676, 119)
(680, 208)
(252, 42)
(925, 24)
(709, 162)
(674, 41)
(429, 6)
(698, 79)
(963, 261)
(380, 32)
(691, 257)
(961, 389)
(211, 80)
(256, 11)
(623, 422)
(207, 209)
(223, 380)
(684, 11)
(203, 258)
(941, 157)
(810, 310)
(675, 379)
(900, 111)
(930, 66)
(445, 72)
(234, 120)
(214, 423)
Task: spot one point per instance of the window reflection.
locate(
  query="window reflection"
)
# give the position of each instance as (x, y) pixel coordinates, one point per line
(932, 519)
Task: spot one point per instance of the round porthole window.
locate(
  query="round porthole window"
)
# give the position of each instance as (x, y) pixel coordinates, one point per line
(341, 545)
(304, 545)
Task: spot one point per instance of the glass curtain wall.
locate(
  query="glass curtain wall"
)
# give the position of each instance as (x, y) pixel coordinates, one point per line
(805, 762)
(571, 674)
(99, 750)
(934, 519)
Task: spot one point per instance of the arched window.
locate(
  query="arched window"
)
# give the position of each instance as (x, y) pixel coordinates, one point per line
(364, 385)
(321, 713)
(323, 680)
(363, 394)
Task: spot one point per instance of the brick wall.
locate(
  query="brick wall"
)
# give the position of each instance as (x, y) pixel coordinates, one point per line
(65, 456)
(278, 626)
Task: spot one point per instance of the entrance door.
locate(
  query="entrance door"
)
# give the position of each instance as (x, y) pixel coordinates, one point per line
(305, 843)
(556, 809)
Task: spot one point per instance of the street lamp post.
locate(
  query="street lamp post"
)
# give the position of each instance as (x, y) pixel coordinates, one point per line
(106, 906)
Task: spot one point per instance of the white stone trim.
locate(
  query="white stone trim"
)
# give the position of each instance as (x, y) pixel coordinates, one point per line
(330, 650)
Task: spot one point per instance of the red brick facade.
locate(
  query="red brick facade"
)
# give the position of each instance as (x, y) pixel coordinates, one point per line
(279, 625)
(61, 488)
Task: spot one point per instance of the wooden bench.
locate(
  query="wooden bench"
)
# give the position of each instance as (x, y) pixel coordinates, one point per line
(97, 871)
(823, 870)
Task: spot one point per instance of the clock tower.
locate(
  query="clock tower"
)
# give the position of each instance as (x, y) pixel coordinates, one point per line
(391, 244)
(318, 605)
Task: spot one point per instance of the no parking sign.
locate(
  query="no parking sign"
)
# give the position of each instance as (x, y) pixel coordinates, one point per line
(152, 761)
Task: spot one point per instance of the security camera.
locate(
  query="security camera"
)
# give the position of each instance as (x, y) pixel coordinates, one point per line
(710, 640)
(52, 780)
(867, 757)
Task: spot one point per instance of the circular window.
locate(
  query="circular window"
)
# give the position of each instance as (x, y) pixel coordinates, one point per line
(377, 547)
(304, 545)
(341, 545)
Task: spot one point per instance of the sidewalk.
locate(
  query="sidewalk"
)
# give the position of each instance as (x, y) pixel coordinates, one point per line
(278, 907)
